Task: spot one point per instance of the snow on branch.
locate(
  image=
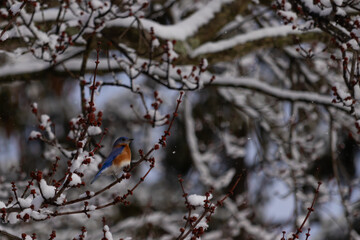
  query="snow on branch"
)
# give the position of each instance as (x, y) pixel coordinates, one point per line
(178, 31)
(203, 161)
(272, 32)
(279, 93)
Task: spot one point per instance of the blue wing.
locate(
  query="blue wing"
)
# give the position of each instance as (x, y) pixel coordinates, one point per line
(114, 153)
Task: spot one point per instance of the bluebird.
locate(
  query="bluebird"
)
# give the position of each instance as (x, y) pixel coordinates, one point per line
(119, 157)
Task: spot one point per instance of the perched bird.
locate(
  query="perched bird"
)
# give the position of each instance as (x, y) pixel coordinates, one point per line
(119, 157)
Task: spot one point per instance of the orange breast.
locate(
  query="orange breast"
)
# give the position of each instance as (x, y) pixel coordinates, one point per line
(124, 158)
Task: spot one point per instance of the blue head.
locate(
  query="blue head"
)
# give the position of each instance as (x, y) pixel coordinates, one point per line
(122, 140)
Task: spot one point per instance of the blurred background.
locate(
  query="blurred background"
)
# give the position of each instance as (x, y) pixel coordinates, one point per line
(270, 115)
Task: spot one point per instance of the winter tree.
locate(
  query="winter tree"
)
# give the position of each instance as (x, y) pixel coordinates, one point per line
(245, 117)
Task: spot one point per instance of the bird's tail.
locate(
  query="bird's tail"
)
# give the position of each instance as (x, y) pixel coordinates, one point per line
(96, 176)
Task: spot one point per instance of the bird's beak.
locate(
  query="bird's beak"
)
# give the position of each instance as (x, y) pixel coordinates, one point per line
(130, 140)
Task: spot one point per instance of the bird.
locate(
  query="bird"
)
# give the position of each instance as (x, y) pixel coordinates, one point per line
(119, 157)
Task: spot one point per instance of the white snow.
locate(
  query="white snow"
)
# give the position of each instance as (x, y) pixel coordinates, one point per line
(212, 47)
(96, 4)
(340, 11)
(252, 83)
(357, 92)
(15, 8)
(202, 223)
(356, 32)
(4, 36)
(338, 2)
(28, 237)
(12, 218)
(205, 64)
(37, 201)
(197, 200)
(25, 202)
(232, 147)
(46, 123)
(61, 199)
(159, 118)
(287, 6)
(94, 130)
(75, 180)
(132, 72)
(289, 15)
(170, 54)
(354, 44)
(179, 31)
(27, 63)
(34, 134)
(77, 163)
(92, 207)
(47, 191)
(326, 11)
(38, 216)
(326, 3)
(85, 194)
(44, 119)
(26, 211)
(155, 43)
(71, 134)
(108, 234)
(341, 92)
